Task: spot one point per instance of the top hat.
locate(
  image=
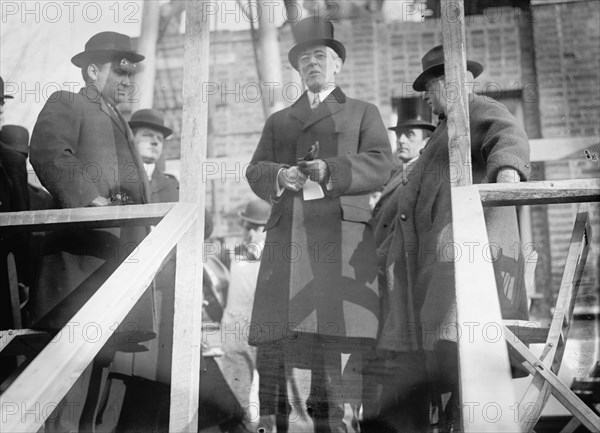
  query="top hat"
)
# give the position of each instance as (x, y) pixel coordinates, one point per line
(107, 43)
(16, 137)
(433, 66)
(2, 95)
(150, 118)
(256, 212)
(413, 113)
(313, 31)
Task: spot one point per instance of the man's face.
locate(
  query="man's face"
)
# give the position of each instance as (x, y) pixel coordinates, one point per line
(435, 94)
(114, 80)
(409, 144)
(149, 143)
(253, 234)
(318, 67)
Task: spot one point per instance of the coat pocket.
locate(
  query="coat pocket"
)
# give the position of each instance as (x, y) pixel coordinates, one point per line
(273, 220)
(355, 213)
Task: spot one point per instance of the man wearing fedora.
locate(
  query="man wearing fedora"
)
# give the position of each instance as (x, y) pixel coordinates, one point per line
(82, 151)
(149, 135)
(317, 296)
(419, 253)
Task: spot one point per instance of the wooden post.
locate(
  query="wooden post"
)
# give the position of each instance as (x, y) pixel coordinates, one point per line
(486, 391)
(147, 47)
(187, 334)
(455, 59)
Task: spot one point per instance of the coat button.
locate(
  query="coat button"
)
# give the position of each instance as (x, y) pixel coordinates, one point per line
(404, 181)
(403, 217)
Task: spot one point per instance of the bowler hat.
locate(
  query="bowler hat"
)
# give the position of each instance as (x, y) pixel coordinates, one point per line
(16, 137)
(433, 66)
(313, 31)
(2, 95)
(150, 118)
(413, 113)
(256, 212)
(113, 44)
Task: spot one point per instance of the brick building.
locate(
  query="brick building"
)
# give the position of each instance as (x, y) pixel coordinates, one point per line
(542, 60)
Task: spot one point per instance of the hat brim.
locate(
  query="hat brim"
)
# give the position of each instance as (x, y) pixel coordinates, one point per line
(474, 67)
(296, 50)
(81, 59)
(413, 124)
(251, 220)
(138, 124)
(7, 97)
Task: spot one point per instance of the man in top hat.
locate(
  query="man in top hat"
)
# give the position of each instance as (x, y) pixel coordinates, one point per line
(149, 135)
(83, 153)
(317, 296)
(419, 252)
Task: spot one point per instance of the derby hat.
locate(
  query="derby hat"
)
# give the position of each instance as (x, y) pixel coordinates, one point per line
(115, 45)
(256, 212)
(2, 95)
(413, 113)
(313, 31)
(149, 118)
(16, 137)
(433, 66)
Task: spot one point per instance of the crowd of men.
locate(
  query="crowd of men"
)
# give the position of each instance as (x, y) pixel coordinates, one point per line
(345, 305)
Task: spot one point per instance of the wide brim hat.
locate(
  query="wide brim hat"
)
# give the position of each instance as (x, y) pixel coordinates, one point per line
(256, 212)
(314, 31)
(150, 118)
(2, 95)
(110, 44)
(16, 137)
(433, 66)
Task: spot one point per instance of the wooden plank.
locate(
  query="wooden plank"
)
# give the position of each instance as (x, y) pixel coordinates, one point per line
(457, 111)
(537, 393)
(52, 373)
(561, 391)
(555, 149)
(487, 392)
(107, 216)
(185, 374)
(546, 192)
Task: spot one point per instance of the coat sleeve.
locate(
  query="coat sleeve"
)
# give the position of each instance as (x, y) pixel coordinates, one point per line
(370, 167)
(53, 150)
(262, 171)
(500, 139)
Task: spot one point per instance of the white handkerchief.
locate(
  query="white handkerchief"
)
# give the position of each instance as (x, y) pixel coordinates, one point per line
(312, 190)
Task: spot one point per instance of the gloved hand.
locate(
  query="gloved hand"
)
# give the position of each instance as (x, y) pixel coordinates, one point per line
(508, 175)
(291, 178)
(316, 170)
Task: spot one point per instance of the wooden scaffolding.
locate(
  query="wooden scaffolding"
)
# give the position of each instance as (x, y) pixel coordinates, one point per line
(489, 407)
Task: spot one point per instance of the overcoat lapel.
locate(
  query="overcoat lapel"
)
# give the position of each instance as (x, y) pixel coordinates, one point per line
(392, 184)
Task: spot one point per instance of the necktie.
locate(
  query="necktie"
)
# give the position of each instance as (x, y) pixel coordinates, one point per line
(316, 101)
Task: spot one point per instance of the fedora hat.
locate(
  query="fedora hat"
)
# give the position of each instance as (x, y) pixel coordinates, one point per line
(115, 45)
(2, 95)
(433, 66)
(16, 137)
(256, 212)
(413, 113)
(313, 31)
(149, 118)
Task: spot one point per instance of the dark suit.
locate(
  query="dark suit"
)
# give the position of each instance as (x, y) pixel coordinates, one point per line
(82, 149)
(317, 285)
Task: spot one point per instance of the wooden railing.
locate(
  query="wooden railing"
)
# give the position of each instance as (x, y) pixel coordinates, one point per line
(28, 402)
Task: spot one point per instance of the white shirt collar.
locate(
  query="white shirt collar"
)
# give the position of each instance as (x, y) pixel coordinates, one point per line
(149, 170)
(322, 94)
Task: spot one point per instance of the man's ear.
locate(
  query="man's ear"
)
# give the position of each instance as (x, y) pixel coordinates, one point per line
(338, 65)
(92, 71)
